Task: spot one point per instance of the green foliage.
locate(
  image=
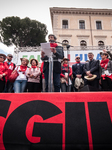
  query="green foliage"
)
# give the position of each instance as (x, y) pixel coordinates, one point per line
(22, 32)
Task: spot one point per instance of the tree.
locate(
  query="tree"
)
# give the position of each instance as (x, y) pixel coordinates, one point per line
(22, 32)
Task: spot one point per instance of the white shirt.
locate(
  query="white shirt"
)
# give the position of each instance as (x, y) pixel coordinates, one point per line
(21, 75)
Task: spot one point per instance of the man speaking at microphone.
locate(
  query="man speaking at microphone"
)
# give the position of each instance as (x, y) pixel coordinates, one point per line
(58, 54)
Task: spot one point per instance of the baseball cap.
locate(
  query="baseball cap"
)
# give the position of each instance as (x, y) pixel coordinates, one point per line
(10, 55)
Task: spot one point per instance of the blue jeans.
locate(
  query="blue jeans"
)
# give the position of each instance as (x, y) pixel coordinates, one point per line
(56, 80)
(19, 86)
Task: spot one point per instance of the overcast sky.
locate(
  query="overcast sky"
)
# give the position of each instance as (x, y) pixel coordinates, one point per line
(39, 9)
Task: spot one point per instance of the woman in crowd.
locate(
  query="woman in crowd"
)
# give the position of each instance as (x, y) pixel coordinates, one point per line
(65, 75)
(3, 72)
(33, 75)
(106, 72)
(21, 80)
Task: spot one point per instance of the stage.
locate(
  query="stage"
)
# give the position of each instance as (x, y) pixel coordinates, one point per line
(57, 121)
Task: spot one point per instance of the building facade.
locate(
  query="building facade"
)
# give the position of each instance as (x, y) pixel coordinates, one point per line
(82, 27)
(85, 29)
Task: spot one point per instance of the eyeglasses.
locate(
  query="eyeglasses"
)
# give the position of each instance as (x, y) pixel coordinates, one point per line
(104, 54)
(1, 57)
(11, 56)
(77, 58)
(24, 60)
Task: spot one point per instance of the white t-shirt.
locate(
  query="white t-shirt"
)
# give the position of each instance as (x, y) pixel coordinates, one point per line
(21, 75)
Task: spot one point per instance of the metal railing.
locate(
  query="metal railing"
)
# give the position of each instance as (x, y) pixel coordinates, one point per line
(75, 48)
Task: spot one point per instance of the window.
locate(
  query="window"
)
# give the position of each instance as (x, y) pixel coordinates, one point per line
(65, 24)
(101, 43)
(83, 43)
(81, 24)
(65, 42)
(98, 25)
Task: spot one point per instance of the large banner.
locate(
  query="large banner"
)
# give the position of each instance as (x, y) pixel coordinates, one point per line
(56, 121)
(72, 55)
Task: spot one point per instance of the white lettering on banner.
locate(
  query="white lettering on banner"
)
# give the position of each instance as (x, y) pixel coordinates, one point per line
(29, 56)
(83, 55)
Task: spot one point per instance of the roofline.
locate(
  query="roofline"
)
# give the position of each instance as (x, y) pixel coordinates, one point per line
(79, 11)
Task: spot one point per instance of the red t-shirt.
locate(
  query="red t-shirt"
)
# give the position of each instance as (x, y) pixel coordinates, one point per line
(11, 67)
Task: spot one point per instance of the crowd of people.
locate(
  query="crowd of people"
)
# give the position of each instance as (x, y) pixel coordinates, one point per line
(93, 75)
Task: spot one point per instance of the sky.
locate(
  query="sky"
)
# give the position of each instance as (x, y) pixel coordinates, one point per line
(40, 10)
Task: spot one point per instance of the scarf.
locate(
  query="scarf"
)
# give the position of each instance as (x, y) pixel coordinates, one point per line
(65, 69)
(78, 62)
(104, 75)
(53, 45)
(65, 65)
(104, 63)
(34, 66)
(22, 68)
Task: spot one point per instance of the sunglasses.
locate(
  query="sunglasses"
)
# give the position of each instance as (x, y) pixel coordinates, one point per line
(78, 58)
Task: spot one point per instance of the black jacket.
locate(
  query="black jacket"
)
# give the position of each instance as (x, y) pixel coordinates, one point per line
(74, 70)
(94, 68)
(56, 63)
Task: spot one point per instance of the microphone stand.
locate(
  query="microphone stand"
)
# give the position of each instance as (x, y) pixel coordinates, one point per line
(68, 52)
(50, 80)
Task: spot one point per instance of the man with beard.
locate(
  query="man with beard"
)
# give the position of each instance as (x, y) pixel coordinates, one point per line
(58, 54)
(11, 66)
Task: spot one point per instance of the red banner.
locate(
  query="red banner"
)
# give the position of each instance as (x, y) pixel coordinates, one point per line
(62, 121)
